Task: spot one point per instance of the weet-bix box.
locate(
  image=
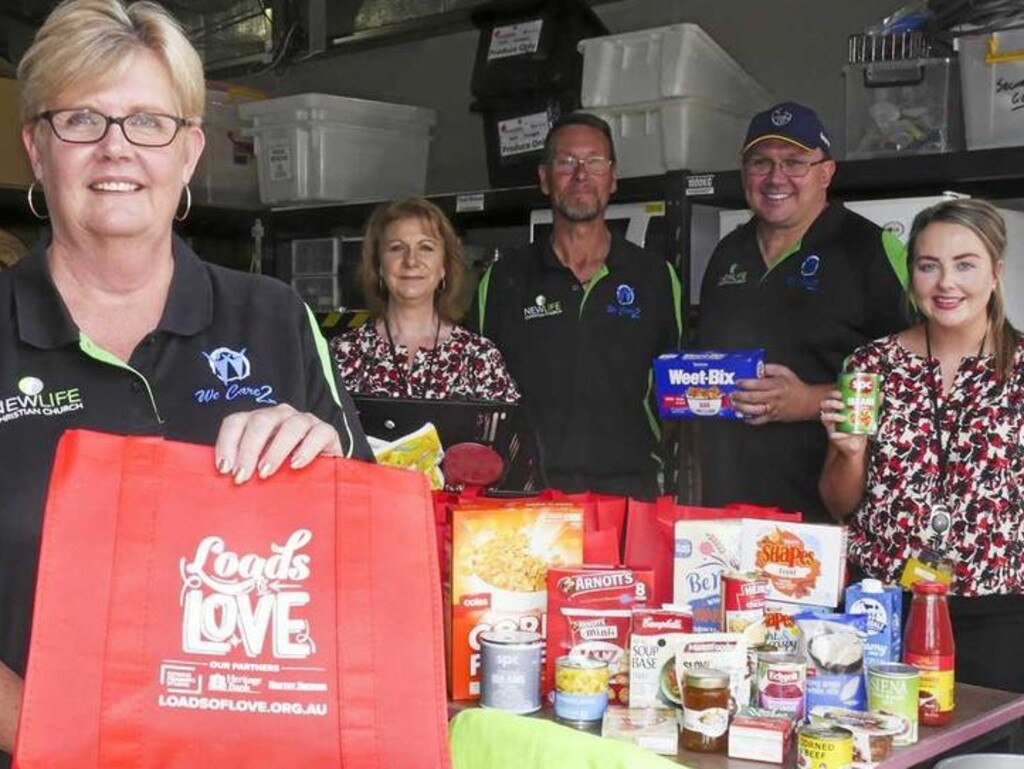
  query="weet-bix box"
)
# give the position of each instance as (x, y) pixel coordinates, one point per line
(883, 604)
(700, 383)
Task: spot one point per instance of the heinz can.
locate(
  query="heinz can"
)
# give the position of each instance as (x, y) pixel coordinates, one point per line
(893, 689)
(824, 747)
(861, 394)
(510, 670)
(782, 683)
(743, 598)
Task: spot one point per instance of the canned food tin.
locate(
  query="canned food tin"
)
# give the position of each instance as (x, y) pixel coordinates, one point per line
(823, 747)
(782, 683)
(510, 670)
(743, 597)
(862, 396)
(581, 688)
(893, 689)
(753, 652)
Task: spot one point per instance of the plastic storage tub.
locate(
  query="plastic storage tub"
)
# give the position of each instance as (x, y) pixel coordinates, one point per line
(665, 62)
(318, 148)
(992, 75)
(903, 108)
(532, 46)
(674, 134)
(226, 175)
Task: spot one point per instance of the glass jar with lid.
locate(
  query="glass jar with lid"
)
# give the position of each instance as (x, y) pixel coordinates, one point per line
(706, 710)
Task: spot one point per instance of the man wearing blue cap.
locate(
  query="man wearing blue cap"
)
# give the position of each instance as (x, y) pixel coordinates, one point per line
(808, 281)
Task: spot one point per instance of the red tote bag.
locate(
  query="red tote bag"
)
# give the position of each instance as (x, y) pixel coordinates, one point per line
(183, 621)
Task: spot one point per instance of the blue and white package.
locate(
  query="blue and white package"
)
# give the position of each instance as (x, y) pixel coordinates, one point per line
(883, 605)
(700, 383)
(833, 645)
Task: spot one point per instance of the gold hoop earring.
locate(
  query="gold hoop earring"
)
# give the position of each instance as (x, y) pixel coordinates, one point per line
(31, 203)
(188, 206)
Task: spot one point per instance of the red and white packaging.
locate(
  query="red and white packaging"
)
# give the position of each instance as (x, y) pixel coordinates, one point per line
(657, 635)
(743, 599)
(589, 615)
(760, 737)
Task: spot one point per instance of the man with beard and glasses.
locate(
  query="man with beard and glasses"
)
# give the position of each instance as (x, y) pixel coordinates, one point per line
(579, 318)
(806, 280)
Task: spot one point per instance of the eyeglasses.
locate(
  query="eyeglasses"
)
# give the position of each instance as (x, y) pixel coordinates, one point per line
(84, 126)
(567, 165)
(794, 168)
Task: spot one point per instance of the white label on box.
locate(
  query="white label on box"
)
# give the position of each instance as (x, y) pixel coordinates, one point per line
(515, 39)
(473, 201)
(281, 163)
(526, 133)
(703, 184)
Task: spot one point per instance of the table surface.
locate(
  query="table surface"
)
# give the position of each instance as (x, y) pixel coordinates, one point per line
(978, 711)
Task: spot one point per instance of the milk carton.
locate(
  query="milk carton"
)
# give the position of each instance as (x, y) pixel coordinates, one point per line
(884, 606)
(701, 383)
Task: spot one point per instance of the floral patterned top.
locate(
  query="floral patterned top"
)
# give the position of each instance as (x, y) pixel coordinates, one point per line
(463, 366)
(981, 424)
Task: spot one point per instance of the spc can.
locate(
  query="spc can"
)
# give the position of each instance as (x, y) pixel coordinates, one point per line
(782, 683)
(510, 670)
(893, 689)
(743, 598)
(581, 688)
(824, 747)
(861, 394)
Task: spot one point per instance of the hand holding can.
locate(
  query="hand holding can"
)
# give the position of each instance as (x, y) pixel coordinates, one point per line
(861, 394)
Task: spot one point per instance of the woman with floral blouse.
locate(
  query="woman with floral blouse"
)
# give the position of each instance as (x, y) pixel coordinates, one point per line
(413, 274)
(942, 481)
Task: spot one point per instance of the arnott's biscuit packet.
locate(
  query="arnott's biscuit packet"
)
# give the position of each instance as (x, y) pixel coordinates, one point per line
(700, 383)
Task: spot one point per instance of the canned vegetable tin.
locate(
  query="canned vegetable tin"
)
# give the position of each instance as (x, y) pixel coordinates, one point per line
(862, 397)
(510, 670)
(782, 683)
(581, 688)
(893, 689)
(824, 747)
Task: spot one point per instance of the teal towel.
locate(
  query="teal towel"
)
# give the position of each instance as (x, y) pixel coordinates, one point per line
(493, 739)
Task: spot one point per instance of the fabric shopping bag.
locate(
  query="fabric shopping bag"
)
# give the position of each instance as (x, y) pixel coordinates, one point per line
(183, 621)
(650, 534)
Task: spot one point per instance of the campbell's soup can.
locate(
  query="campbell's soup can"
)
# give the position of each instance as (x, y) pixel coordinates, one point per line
(743, 597)
(824, 747)
(893, 690)
(782, 683)
(510, 670)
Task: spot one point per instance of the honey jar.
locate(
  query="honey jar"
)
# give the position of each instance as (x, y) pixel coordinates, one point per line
(706, 710)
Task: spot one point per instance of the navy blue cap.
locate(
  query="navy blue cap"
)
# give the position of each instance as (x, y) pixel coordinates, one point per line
(789, 122)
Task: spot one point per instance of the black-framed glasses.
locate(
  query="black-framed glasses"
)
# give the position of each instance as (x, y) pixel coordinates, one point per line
(86, 126)
(794, 168)
(567, 164)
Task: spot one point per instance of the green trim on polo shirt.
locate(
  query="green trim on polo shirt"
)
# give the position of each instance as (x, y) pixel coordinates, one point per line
(481, 298)
(677, 300)
(792, 250)
(594, 280)
(652, 420)
(94, 351)
(324, 354)
(896, 252)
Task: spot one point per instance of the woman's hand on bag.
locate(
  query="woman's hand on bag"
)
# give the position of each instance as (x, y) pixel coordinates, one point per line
(259, 442)
(833, 411)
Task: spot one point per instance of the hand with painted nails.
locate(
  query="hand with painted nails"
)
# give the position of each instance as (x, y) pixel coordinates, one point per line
(260, 442)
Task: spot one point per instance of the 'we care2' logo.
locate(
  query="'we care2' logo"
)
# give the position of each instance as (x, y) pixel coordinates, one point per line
(232, 367)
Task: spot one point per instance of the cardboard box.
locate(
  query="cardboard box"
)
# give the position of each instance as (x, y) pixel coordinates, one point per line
(805, 563)
(700, 383)
(15, 170)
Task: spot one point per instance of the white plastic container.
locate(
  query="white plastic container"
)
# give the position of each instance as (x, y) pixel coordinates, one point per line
(665, 62)
(226, 175)
(321, 292)
(319, 148)
(316, 256)
(672, 134)
(992, 81)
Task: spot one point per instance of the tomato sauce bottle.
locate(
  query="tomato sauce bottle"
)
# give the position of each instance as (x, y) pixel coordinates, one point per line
(928, 646)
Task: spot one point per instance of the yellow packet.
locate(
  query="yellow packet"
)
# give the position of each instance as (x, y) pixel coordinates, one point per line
(420, 450)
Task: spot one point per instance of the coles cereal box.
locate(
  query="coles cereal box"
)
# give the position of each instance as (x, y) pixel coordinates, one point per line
(589, 615)
(804, 563)
(699, 383)
(500, 559)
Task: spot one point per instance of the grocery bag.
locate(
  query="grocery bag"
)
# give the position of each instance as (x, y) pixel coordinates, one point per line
(184, 621)
(650, 533)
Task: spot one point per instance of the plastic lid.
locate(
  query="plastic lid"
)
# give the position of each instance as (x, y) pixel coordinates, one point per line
(870, 585)
(930, 588)
(706, 678)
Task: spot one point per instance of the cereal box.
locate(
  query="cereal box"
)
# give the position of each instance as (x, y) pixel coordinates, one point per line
(500, 559)
(805, 563)
(657, 634)
(700, 383)
(589, 616)
(703, 550)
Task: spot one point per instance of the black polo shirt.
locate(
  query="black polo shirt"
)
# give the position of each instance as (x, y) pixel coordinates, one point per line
(227, 342)
(581, 354)
(841, 286)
